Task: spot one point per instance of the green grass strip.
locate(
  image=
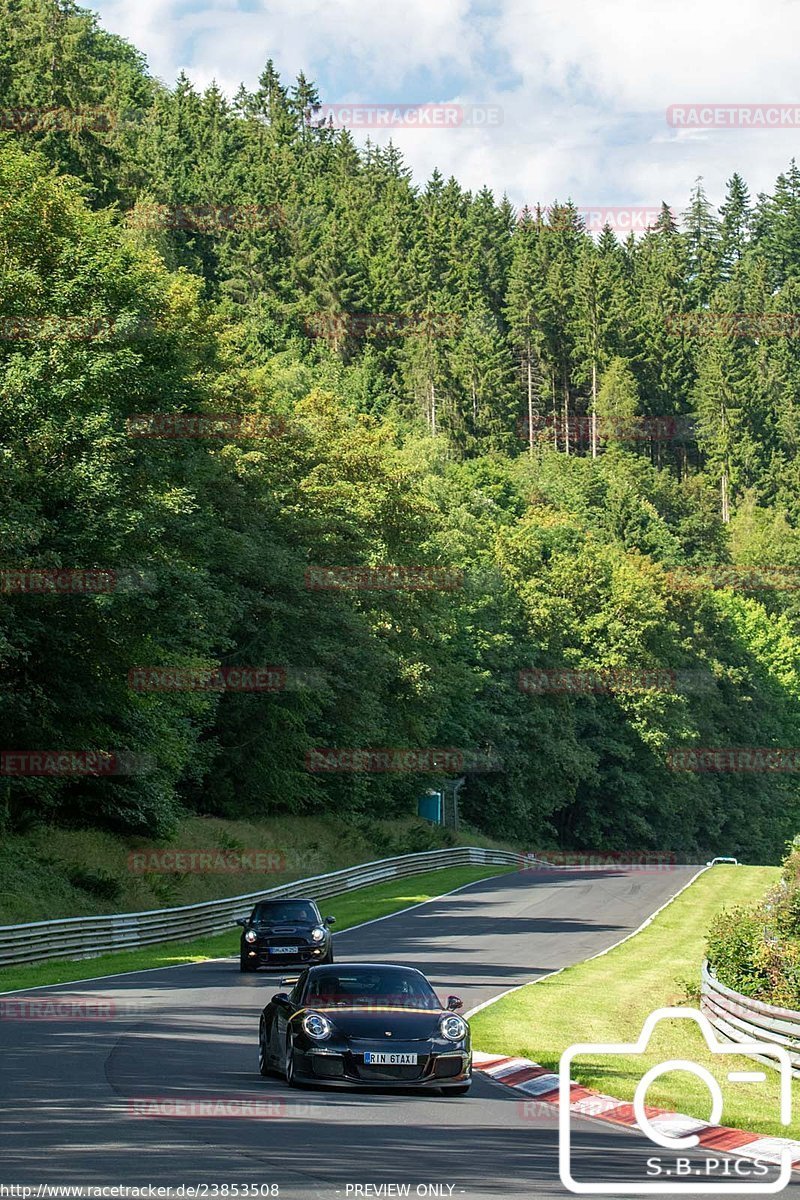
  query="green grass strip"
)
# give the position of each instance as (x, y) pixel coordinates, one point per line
(351, 908)
(607, 1000)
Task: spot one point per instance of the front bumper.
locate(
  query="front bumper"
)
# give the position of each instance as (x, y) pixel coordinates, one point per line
(260, 956)
(343, 1066)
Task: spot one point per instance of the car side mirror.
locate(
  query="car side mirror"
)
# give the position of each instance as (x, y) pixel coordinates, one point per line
(454, 1002)
(330, 920)
(280, 998)
(241, 921)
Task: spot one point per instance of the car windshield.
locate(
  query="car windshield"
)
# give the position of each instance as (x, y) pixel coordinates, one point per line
(370, 988)
(287, 910)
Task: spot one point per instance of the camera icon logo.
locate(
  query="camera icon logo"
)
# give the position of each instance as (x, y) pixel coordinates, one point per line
(661, 1136)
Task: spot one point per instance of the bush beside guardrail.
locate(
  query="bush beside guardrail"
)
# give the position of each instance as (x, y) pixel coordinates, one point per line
(740, 1018)
(755, 948)
(87, 937)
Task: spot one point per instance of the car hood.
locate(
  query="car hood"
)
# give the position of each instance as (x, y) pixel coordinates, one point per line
(404, 1024)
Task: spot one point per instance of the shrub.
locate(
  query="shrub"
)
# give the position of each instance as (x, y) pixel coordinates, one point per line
(732, 944)
(96, 883)
(756, 951)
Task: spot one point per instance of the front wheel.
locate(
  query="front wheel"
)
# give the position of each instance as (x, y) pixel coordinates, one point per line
(329, 956)
(288, 1068)
(246, 965)
(263, 1049)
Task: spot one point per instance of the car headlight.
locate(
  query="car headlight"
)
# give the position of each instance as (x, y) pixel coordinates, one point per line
(317, 934)
(251, 936)
(317, 1026)
(453, 1028)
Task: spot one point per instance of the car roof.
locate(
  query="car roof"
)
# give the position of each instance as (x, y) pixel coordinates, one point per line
(286, 900)
(363, 966)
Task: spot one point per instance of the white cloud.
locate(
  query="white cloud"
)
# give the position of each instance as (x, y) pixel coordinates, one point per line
(584, 87)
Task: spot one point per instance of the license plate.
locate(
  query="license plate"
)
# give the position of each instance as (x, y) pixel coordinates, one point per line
(390, 1060)
(284, 950)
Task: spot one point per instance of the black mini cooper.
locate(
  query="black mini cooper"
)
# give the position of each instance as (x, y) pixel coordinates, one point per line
(280, 933)
(367, 1025)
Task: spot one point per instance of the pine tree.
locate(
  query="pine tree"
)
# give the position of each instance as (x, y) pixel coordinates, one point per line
(599, 319)
(777, 226)
(522, 314)
(735, 226)
(618, 404)
(702, 242)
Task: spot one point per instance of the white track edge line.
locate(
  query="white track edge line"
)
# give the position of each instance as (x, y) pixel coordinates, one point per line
(608, 949)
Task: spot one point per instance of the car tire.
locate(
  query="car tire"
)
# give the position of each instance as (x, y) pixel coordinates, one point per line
(246, 965)
(288, 1064)
(263, 1050)
(461, 1090)
(328, 957)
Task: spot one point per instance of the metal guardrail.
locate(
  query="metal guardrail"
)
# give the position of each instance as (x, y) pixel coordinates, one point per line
(87, 937)
(739, 1018)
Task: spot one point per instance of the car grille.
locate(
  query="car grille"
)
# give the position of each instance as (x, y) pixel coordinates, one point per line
(389, 1072)
(271, 940)
(304, 954)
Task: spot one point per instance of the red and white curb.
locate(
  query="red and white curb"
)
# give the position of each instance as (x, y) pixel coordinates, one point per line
(537, 1082)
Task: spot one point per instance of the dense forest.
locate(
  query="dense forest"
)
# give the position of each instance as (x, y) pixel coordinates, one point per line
(575, 432)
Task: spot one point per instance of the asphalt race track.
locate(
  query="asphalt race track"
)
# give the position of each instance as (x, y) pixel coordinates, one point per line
(91, 1099)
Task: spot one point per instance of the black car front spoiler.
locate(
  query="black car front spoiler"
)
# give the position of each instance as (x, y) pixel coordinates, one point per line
(303, 1073)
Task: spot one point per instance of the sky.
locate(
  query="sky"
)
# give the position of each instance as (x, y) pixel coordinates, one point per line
(551, 100)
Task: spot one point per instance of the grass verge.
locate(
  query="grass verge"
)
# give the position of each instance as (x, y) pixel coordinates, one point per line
(607, 1000)
(79, 872)
(351, 908)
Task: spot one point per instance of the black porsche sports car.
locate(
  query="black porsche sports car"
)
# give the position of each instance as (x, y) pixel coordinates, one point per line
(365, 1024)
(279, 933)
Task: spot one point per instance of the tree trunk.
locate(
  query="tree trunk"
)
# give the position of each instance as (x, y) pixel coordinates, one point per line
(726, 512)
(530, 401)
(566, 410)
(594, 408)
